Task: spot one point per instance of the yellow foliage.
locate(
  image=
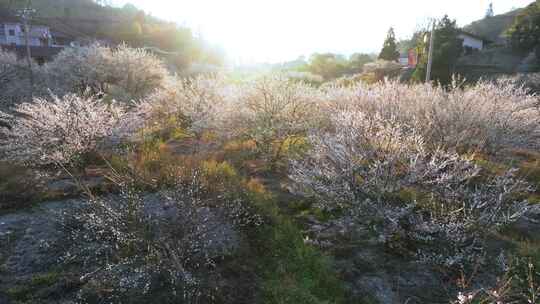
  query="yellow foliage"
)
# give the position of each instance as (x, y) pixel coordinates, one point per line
(291, 145)
(219, 175)
(369, 78)
(179, 133)
(240, 145)
(255, 186)
(208, 136)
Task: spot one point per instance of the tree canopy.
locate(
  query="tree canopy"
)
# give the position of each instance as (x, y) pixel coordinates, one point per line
(389, 51)
(524, 34)
(447, 47)
(331, 66)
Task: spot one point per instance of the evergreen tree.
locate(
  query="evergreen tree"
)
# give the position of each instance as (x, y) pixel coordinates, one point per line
(389, 51)
(524, 34)
(447, 47)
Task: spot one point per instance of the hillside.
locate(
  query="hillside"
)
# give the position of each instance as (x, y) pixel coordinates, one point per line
(66, 8)
(493, 28)
(500, 58)
(87, 20)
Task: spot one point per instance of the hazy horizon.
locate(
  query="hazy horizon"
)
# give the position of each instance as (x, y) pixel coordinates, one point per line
(252, 31)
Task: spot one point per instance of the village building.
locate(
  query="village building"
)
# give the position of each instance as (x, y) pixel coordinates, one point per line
(472, 42)
(409, 59)
(44, 43)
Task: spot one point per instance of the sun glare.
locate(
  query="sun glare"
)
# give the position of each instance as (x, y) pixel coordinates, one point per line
(278, 30)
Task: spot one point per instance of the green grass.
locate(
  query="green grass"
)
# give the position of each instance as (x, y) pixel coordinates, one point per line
(292, 271)
(26, 292)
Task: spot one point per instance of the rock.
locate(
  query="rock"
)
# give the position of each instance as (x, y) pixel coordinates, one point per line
(30, 236)
(222, 239)
(68, 188)
(32, 241)
(529, 226)
(377, 287)
(385, 279)
(4, 298)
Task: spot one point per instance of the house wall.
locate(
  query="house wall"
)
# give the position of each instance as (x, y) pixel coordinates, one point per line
(472, 42)
(413, 58)
(14, 34)
(404, 61)
(2, 34)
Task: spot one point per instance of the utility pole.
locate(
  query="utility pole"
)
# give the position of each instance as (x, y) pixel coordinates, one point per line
(26, 15)
(430, 53)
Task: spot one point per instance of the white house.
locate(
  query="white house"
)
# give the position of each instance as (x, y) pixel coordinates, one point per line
(472, 41)
(14, 34)
(44, 44)
(404, 59)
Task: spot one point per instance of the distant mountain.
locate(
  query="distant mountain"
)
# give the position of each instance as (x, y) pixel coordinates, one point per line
(493, 28)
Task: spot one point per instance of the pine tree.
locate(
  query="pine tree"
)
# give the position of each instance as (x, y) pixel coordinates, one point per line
(389, 51)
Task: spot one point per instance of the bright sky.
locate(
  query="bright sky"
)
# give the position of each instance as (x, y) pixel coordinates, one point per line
(280, 30)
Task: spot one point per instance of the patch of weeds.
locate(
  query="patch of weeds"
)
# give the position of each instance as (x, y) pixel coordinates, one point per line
(29, 290)
(530, 250)
(293, 272)
(369, 300)
(530, 170)
(489, 166)
(45, 279)
(219, 176)
(12, 180)
(19, 292)
(297, 273)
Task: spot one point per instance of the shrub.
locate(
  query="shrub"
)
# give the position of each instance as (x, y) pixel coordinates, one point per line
(305, 77)
(123, 73)
(219, 176)
(349, 80)
(381, 69)
(530, 81)
(56, 132)
(161, 245)
(268, 111)
(518, 285)
(490, 116)
(272, 110)
(362, 163)
(200, 102)
(14, 79)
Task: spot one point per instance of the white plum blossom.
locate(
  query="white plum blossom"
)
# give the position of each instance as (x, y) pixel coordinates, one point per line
(360, 165)
(123, 73)
(56, 131)
(487, 116)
